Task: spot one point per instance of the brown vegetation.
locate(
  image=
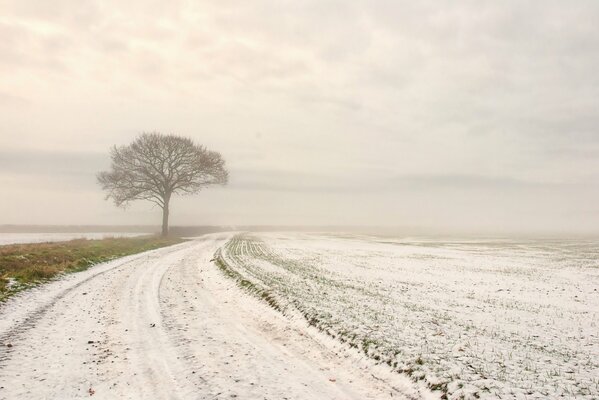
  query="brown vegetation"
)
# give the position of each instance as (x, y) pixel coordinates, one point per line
(28, 264)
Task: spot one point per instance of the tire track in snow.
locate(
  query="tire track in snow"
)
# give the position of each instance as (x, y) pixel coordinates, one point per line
(20, 327)
(168, 325)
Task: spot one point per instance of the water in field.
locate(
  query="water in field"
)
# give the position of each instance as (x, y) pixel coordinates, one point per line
(476, 318)
(18, 238)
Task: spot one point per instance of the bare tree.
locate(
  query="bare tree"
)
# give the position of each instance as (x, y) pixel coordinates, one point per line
(156, 166)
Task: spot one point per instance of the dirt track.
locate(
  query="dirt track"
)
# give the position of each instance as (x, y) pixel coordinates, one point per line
(166, 325)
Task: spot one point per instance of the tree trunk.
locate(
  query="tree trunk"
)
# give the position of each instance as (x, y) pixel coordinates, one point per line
(165, 220)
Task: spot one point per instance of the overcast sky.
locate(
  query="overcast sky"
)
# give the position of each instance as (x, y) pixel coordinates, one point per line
(464, 115)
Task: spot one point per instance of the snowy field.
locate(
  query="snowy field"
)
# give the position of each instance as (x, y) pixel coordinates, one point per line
(18, 238)
(474, 319)
(167, 324)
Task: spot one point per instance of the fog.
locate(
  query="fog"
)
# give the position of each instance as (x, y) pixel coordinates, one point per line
(438, 116)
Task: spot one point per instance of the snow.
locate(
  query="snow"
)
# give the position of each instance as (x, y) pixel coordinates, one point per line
(477, 318)
(19, 238)
(168, 324)
(360, 318)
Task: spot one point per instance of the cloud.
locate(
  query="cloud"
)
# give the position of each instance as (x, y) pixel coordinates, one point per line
(316, 98)
(64, 172)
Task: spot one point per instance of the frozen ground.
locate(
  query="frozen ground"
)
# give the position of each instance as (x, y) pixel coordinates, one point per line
(476, 319)
(168, 324)
(18, 238)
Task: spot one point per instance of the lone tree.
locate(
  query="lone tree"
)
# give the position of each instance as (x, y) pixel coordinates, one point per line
(156, 166)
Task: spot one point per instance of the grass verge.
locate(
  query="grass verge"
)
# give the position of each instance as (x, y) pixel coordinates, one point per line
(26, 265)
(254, 289)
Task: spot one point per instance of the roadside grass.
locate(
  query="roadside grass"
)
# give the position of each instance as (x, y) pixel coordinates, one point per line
(26, 265)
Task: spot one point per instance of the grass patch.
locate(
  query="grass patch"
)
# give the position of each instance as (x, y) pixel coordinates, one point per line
(25, 265)
(254, 289)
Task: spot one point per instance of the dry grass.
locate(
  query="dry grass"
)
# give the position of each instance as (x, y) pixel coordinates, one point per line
(24, 265)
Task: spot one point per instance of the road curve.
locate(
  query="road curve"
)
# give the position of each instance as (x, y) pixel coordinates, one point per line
(166, 324)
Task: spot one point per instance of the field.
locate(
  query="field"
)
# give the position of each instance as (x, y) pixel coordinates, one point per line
(471, 319)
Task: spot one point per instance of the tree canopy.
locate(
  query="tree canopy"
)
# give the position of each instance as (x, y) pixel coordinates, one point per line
(156, 166)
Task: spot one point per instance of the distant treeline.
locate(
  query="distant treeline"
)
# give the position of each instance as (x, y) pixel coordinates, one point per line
(199, 229)
(177, 231)
(76, 228)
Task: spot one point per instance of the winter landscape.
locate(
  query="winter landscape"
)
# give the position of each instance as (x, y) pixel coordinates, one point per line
(299, 315)
(299, 200)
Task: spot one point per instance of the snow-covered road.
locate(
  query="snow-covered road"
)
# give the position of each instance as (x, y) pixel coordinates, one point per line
(167, 324)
